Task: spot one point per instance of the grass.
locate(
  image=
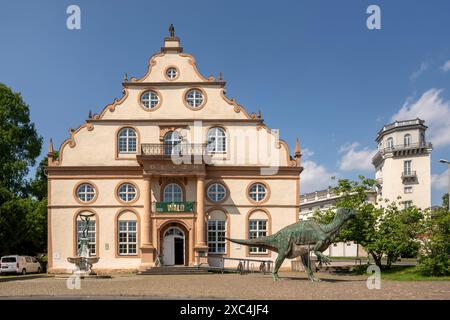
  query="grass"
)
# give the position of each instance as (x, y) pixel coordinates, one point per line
(402, 273)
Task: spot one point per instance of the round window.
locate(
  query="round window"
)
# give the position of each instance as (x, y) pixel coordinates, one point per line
(171, 73)
(257, 192)
(85, 192)
(127, 192)
(194, 98)
(216, 192)
(150, 100)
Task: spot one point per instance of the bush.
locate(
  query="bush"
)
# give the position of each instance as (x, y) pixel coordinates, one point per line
(434, 259)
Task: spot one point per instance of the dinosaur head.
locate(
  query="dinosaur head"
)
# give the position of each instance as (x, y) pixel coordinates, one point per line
(346, 213)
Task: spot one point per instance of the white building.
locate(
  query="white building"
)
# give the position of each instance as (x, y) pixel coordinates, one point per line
(402, 164)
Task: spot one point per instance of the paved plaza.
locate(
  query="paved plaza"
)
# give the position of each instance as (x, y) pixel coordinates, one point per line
(293, 285)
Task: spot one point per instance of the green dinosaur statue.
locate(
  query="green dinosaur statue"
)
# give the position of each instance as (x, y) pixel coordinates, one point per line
(298, 239)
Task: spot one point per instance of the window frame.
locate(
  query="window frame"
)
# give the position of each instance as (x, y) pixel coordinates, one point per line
(217, 141)
(407, 140)
(167, 75)
(118, 192)
(127, 233)
(215, 235)
(79, 232)
(77, 193)
(128, 138)
(259, 233)
(266, 189)
(200, 106)
(212, 184)
(172, 192)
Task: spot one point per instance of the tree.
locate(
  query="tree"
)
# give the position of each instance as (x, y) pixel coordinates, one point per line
(22, 217)
(445, 201)
(434, 258)
(19, 141)
(388, 232)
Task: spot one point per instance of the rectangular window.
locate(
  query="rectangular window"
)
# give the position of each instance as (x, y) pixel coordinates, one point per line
(257, 229)
(407, 167)
(127, 238)
(407, 204)
(91, 234)
(408, 189)
(216, 237)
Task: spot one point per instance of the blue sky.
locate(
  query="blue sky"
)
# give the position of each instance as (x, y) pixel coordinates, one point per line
(312, 67)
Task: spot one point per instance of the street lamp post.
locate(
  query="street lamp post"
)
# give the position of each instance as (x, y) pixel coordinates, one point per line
(448, 164)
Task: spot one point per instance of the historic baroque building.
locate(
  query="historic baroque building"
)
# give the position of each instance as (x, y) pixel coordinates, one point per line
(170, 169)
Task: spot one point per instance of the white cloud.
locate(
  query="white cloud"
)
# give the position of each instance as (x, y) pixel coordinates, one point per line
(354, 159)
(315, 177)
(440, 181)
(416, 74)
(436, 113)
(306, 153)
(446, 66)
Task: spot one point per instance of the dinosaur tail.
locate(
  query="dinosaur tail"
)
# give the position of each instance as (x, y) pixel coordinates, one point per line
(262, 242)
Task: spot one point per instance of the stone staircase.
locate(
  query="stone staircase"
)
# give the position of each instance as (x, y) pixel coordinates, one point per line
(175, 270)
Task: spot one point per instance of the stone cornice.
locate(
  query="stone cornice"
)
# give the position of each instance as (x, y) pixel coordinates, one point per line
(174, 84)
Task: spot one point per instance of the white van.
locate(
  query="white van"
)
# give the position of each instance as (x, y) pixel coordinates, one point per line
(19, 264)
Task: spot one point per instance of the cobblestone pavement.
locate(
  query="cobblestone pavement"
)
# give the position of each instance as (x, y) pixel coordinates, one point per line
(293, 285)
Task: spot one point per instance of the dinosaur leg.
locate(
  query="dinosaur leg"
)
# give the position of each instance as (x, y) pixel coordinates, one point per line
(278, 262)
(307, 264)
(322, 258)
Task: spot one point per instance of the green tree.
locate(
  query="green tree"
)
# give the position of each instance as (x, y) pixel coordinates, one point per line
(445, 201)
(388, 232)
(19, 141)
(434, 258)
(22, 217)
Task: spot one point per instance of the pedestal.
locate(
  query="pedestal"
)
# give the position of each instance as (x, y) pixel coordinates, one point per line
(147, 257)
(201, 255)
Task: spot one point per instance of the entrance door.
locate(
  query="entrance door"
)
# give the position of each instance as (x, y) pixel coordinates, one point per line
(179, 251)
(173, 247)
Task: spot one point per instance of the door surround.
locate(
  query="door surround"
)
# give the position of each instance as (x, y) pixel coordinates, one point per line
(182, 228)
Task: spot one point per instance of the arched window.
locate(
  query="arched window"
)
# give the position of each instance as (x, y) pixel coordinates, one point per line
(91, 233)
(390, 143)
(407, 140)
(173, 193)
(217, 140)
(127, 142)
(258, 226)
(216, 232)
(172, 142)
(127, 236)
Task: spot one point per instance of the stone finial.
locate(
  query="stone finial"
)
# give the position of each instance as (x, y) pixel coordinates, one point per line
(50, 148)
(220, 76)
(125, 77)
(297, 153)
(172, 30)
(90, 114)
(50, 153)
(259, 114)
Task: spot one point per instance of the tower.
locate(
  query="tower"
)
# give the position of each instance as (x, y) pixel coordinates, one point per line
(402, 164)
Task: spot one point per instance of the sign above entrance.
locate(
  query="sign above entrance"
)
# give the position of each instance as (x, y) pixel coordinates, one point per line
(175, 206)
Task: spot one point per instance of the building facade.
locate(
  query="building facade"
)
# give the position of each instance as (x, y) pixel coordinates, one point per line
(168, 171)
(403, 165)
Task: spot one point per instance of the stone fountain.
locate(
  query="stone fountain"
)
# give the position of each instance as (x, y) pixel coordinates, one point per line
(84, 261)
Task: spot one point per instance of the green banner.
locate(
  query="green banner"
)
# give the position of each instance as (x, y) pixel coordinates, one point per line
(175, 206)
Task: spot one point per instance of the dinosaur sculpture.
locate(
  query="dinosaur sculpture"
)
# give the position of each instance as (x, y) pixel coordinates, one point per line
(298, 239)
